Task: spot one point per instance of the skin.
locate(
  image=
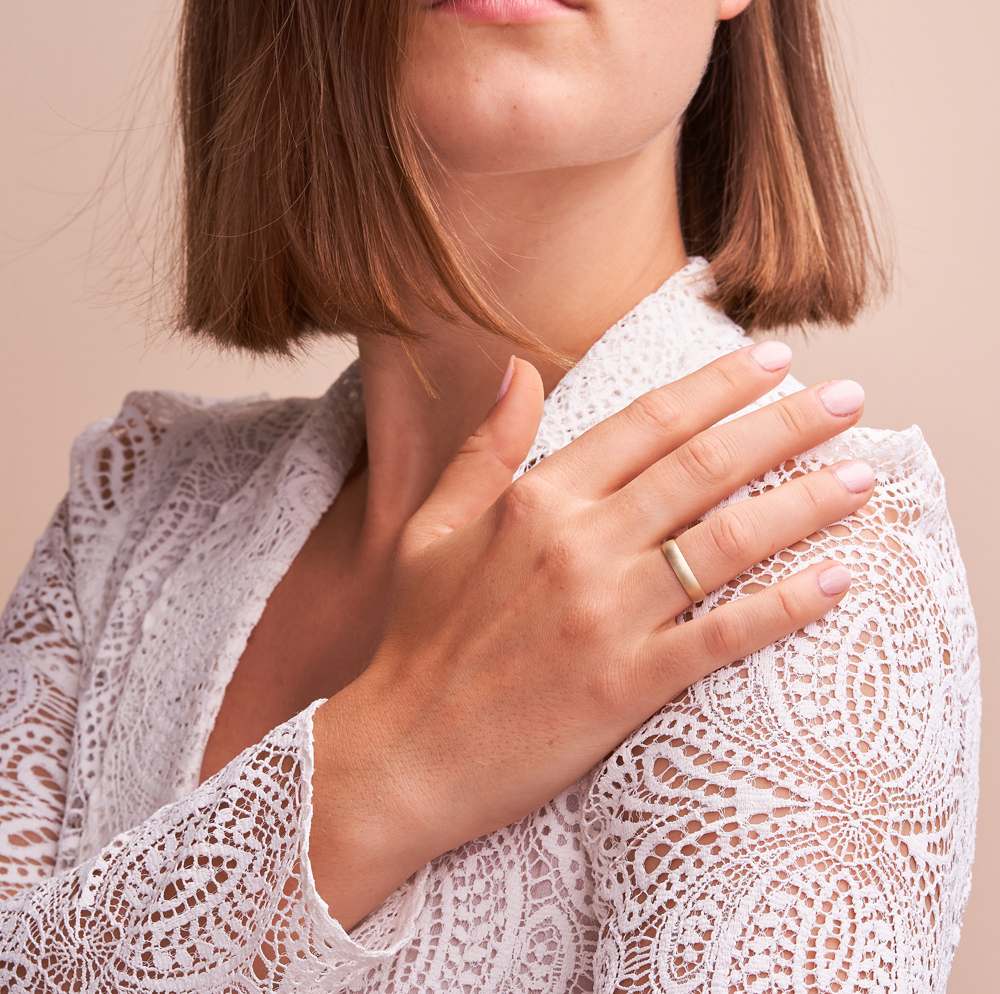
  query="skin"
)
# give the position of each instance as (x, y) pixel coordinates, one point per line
(451, 617)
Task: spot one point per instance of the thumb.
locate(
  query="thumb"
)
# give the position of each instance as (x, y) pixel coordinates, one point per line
(486, 463)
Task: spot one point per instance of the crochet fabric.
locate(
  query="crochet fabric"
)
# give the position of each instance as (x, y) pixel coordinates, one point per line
(801, 820)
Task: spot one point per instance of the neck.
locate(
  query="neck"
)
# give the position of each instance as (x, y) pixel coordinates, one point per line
(569, 251)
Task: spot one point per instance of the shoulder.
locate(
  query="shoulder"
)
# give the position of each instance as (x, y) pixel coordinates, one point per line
(902, 542)
(157, 433)
(825, 778)
(164, 455)
(907, 473)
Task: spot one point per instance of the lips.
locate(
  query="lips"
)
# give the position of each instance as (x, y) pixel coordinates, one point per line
(504, 11)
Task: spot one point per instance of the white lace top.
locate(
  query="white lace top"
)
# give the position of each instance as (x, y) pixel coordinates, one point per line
(800, 821)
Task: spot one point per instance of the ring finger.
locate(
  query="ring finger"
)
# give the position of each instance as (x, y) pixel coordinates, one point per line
(739, 536)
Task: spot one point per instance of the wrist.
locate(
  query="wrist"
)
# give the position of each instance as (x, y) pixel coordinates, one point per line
(375, 820)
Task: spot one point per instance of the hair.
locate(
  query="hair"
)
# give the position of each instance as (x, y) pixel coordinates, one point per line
(308, 207)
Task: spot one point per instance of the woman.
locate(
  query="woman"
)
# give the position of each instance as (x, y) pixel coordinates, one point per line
(280, 671)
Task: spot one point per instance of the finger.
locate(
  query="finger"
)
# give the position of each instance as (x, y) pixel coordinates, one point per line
(695, 477)
(485, 465)
(738, 537)
(617, 449)
(675, 657)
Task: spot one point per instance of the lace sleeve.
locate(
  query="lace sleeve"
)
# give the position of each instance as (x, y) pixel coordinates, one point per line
(211, 894)
(803, 820)
(39, 673)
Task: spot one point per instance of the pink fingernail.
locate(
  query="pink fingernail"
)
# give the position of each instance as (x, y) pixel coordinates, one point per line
(834, 580)
(771, 356)
(857, 477)
(508, 375)
(842, 397)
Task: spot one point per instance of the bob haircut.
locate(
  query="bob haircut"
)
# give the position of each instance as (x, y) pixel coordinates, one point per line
(308, 206)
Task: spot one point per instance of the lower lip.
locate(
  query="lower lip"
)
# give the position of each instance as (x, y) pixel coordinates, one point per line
(504, 11)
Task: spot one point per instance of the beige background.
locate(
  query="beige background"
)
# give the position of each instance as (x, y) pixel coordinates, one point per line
(926, 79)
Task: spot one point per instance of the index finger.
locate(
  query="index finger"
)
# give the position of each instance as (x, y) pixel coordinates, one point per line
(611, 454)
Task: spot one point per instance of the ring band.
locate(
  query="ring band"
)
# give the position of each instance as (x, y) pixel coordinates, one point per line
(682, 571)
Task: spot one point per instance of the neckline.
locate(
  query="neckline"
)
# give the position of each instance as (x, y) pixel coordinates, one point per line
(345, 394)
(678, 302)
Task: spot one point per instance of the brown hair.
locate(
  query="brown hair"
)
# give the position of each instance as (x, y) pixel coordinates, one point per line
(308, 208)
(769, 191)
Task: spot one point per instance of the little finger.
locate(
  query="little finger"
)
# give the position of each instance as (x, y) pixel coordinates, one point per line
(677, 656)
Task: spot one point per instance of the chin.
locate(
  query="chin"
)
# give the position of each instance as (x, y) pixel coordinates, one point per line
(525, 134)
(510, 114)
(594, 85)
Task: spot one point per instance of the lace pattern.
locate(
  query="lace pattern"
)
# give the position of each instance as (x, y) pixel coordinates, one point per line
(40, 633)
(802, 820)
(819, 828)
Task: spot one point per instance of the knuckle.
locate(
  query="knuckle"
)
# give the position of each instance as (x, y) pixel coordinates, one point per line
(815, 499)
(582, 621)
(530, 516)
(787, 606)
(725, 638)
(559, 554)
(706, 458)
(729, 373)
(475, 443)
(793, 418)
(654, 411)
(521, 503)
(480, 446)
(733, 535)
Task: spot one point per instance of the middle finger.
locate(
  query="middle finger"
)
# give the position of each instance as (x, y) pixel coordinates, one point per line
(692, 479)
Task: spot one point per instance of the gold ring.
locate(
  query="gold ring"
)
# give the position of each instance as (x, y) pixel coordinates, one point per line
(682, 571)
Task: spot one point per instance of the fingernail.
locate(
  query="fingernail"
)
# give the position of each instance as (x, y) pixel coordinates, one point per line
(842, 397)
(508, 375)
(771, 356)
(834, 580)
(857, 477)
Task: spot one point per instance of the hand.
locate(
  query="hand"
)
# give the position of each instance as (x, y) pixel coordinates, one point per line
(532, 625)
